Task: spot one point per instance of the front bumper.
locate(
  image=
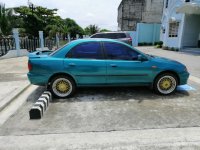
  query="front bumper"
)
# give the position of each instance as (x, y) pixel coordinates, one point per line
(184, 78)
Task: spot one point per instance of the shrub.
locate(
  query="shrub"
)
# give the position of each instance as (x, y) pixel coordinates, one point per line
(140, 44)
(158, 46)
(165, 47)
(172, 49)
(145, 44)
(160, 43)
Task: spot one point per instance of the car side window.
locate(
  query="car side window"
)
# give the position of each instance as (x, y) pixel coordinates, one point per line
(90, 50)
(116, 51)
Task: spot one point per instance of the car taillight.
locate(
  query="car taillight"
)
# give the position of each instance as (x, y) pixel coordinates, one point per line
(130, 39)
(29, 66)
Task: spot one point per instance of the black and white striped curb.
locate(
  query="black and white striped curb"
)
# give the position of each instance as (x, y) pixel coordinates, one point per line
(41, 105)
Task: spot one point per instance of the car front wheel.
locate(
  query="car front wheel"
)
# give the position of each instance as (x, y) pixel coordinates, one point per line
(165, 84)
(62, 86)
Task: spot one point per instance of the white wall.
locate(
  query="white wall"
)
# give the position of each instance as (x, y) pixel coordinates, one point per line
(169, 15)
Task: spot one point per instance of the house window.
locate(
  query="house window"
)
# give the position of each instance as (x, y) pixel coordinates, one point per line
(166, 4)
(173, 29)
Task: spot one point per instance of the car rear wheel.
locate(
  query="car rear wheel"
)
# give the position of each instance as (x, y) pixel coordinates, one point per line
(165, 84)
(62, 86)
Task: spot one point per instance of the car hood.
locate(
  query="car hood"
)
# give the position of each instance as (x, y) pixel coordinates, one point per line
(167, 61)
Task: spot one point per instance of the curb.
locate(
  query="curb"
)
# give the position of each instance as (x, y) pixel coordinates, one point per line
(4, 105)
(40, 106)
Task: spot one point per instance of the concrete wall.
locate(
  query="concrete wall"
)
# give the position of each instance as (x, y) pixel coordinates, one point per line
(131, 12)
(191, 31)
(148, 33)
(153, 11)
(170, 15)
(189, 26)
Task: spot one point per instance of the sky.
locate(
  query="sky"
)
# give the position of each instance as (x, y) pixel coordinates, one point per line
(85, 12)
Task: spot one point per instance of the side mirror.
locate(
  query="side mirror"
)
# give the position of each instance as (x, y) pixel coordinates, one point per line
(142, 58)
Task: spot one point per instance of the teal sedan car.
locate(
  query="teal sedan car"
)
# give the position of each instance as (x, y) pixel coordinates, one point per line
(103, 62)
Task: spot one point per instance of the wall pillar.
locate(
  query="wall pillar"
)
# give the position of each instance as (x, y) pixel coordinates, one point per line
(77, 36)
(69, 38)
(57, 41)
(16, 37)
(41, 40)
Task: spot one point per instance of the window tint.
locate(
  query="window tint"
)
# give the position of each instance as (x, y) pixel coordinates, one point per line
(120, 52)
(116, 35)
(86, 51)
(110, 35)
(98, 36)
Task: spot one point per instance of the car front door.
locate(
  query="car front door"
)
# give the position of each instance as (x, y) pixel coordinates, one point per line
(85, 62)
(123, 66)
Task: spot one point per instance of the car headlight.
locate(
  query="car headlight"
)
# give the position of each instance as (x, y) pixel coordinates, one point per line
(185, 69)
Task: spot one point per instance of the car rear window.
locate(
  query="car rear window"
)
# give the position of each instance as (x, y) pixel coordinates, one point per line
(110, 35)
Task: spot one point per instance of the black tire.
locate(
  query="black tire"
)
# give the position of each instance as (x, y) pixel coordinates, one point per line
(62, 86)
(165, 84)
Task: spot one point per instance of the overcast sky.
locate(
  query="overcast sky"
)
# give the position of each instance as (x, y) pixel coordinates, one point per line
(100, 12)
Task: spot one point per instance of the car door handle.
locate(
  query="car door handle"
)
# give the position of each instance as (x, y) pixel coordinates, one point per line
(72, 64)
(113, 65)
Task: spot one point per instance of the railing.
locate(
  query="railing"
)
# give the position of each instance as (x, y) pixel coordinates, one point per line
(31, 44)
(6, 44)
(50, 43)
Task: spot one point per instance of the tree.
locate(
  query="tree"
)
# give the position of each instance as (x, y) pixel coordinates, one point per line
(55, 25)
(91, 29)
(5, 20)
(35, 19)
(70, 26)
(41, 18)
(104, 30)
(32, 19)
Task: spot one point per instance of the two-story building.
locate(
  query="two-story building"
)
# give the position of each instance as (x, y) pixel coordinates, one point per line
(181, 23)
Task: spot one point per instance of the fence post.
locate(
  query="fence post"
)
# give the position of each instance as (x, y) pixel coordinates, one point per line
(16, 37)
(57, 41)
(68, 36)
(77, 36)
(41, 40)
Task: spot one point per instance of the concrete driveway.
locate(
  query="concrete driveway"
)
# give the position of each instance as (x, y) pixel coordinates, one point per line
(107, 118)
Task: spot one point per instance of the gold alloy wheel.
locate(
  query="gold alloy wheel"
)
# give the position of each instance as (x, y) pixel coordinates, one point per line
(166, 84)
(62, 87)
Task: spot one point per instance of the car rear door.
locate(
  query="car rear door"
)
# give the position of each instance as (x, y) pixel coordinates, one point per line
(85, 62)
(123, 66)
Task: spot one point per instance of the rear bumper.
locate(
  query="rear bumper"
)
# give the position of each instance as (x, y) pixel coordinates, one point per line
(38, 79)
(184, 78)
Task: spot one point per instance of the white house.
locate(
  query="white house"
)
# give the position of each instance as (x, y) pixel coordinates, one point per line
(181, 23)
